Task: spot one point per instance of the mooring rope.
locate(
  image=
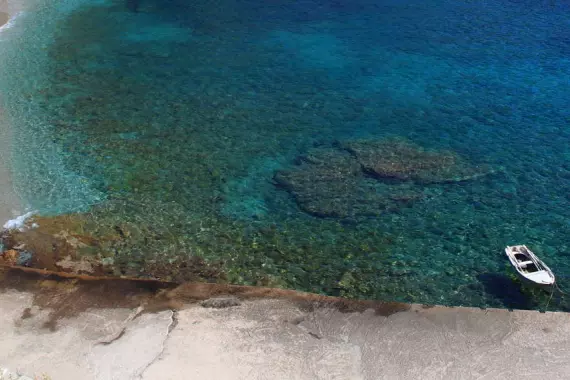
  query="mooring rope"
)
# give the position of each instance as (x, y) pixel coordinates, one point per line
(555, 287)
(549, 298)
(559, 289)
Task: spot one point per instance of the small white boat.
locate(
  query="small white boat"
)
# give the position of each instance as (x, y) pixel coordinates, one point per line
(529, 266)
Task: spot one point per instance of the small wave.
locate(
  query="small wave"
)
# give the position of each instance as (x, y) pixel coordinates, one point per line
(11, 21)
(18, 222)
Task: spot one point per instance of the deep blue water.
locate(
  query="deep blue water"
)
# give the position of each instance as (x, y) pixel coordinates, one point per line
(179, 119)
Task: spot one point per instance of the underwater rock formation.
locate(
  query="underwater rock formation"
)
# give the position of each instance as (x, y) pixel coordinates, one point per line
(85, 244)
(399, 159)
(329, 182)
(57, 243)
(368, 177)
(132, 5)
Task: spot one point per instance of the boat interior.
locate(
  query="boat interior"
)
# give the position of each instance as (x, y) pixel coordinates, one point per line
(525, 263)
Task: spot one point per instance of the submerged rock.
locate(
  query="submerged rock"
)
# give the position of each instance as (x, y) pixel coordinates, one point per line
(53, 244)
(399, 159)
(24, 258)
(86, 244)
(368, 177)
(9, 257)
(329, 182)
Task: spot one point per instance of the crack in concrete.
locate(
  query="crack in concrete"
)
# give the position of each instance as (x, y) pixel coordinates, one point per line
(169, 328)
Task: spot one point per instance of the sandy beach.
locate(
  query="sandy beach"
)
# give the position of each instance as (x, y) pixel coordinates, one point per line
(4, 18)
(9, 206)
(9, 202)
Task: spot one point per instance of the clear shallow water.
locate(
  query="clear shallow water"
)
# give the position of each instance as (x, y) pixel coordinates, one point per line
(174, 122)
(43, 180)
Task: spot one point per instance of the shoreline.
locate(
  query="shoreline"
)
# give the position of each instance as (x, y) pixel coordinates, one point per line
(9, 200)
(4, 18)
(10, 206)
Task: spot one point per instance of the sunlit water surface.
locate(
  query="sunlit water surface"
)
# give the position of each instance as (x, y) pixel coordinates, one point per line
(213, 127)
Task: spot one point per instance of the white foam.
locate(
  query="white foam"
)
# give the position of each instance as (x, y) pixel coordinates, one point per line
(18, 223)
(11, 22)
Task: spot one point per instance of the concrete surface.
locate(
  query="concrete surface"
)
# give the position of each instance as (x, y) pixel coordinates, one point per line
(278, 339)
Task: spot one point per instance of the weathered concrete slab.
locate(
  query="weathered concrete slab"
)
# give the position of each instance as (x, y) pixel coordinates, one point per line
(82, 330)
(276, 339)
(129, 355)
(270, 339)
(74, 350)
(257, 340)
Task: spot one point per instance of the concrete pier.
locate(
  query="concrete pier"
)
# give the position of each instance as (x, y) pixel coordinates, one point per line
(75, 329)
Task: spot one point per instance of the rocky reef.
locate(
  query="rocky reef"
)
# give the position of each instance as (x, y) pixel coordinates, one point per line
(330, 182)
(344, 181)
(367, 177)
(86, 244)
(400, 159)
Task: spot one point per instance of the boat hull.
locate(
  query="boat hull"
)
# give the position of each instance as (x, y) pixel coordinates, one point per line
(530, 269)
(533, 284)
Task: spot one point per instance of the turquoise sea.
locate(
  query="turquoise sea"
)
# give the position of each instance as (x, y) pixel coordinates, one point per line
(383, 149)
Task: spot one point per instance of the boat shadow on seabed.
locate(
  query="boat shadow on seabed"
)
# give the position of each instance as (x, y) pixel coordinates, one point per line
(509, 290)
